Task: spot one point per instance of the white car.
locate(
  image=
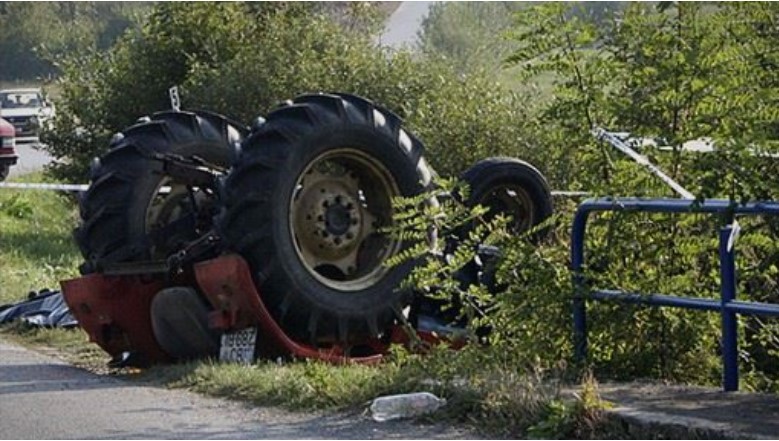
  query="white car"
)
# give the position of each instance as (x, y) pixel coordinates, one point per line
(28, 110)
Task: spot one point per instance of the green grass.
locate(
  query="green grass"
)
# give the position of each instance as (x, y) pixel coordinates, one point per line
(498, 399)
(36, 244)
(36, 252)
(301, 385)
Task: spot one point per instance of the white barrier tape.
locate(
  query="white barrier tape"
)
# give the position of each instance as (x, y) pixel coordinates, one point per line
(570, 194)
(38, 186)
(84, 187)
(734, 232)
(616, 142)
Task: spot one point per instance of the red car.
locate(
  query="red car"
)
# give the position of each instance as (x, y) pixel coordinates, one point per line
(7, 148)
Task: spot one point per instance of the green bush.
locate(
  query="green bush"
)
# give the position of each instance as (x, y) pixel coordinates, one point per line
(242, 59)
(678, 72)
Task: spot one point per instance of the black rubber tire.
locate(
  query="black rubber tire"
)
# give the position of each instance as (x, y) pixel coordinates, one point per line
(5, 169)
(258, 198)
(125, 179)
(496, 173)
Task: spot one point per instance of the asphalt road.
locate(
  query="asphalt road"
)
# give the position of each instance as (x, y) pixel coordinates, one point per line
(31, 159)
(44, 398)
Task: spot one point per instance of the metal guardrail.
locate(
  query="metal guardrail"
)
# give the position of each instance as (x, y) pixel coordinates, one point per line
(726, 305)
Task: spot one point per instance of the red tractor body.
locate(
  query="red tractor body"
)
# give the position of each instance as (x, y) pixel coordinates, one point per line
(115, 313)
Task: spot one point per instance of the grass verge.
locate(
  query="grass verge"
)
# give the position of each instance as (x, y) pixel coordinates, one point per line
(36, 247)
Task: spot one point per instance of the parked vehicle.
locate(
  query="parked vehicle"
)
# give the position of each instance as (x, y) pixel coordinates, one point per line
(28, 110)
(7, 148)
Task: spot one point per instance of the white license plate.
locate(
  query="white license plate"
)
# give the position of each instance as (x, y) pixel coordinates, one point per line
(238, 346)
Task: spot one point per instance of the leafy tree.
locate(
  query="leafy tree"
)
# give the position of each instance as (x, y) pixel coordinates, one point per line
(242, 59)
(469, 34)
(472, 34)
(33, 36)
(23, 26)
(678, 71)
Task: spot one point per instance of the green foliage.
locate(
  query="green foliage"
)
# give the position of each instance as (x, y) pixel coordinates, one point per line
(436, 275)
(572, 419)
(679, 73)
(34, 35)
(469, 34)
(472, 34)
(533, 282)
(16, 206)
(242, 59)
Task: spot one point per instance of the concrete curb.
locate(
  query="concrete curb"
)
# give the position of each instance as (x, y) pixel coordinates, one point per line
(638, 424)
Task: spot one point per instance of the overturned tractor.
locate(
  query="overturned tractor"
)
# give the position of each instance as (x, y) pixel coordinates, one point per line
(275, 233)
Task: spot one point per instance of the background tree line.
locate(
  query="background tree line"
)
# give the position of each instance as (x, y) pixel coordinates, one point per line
(33, 35)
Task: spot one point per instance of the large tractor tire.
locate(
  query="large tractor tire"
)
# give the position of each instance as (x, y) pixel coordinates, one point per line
(136, 209)
(510, 187)
(306, 203)
(5, 170)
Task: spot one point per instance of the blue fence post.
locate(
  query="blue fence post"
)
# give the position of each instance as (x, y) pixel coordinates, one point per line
(579, 322)
(729, 323)
(577, 269)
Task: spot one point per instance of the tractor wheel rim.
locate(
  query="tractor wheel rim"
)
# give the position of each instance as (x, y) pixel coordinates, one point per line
(512, 200)
(340, 204)
(170, 202)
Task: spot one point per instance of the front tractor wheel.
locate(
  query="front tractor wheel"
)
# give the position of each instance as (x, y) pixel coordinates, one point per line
(510, 187)
(307, 203)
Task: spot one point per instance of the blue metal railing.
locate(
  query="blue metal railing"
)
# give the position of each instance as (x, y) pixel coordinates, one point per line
(727, 305)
